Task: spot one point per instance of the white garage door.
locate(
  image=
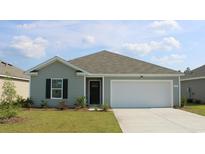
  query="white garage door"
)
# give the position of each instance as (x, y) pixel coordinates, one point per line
(141, 93)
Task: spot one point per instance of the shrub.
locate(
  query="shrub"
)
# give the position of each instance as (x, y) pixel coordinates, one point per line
(28, 103)
(95, 108)
(8, 106)
(19, 101)
(7, 111)
(44, 104)
(105, 107)
(197, 101)
(189, 100)
(22, 102)
(81, 102)
(9, 93)
(183, 102)
(176, 106)
(62, 105)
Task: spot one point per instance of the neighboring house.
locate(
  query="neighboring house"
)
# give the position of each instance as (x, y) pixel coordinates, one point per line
(105, 77)
(17, 76)
(193, 84)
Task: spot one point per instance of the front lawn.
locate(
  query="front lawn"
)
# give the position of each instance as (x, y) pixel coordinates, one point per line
(195, 108)
(68, 121)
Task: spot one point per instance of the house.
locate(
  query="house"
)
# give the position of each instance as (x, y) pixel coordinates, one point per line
(193, 84)
(17, 76)
(105, 77)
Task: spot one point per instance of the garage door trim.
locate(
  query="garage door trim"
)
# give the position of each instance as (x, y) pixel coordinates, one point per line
(169, 81)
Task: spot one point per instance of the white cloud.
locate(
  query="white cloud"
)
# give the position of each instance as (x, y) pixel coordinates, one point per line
(73, 34)
(63, 35)
(167, 44)
(27, 26)
(171, 59)
(46, 24)
(32, 48)
(164, 26)
(88, 39)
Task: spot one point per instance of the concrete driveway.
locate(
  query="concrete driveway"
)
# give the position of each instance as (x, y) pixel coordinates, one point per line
(159, 120)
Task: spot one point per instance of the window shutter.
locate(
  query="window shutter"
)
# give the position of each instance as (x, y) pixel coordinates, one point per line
(48, 88)
(65, 88)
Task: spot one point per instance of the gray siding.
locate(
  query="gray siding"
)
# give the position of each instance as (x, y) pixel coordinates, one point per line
(56, 70)
(174, 79)
(197, 89)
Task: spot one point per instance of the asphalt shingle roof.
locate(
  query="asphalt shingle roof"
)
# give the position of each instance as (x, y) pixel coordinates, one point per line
(105, 62)
(198, 72)
(10, 70)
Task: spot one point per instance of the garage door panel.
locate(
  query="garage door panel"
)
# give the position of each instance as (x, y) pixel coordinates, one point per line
(141, 93)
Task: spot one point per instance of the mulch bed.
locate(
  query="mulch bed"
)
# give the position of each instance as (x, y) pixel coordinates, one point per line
(12, 120)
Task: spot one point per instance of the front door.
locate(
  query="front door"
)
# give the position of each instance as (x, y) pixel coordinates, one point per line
(94, 97)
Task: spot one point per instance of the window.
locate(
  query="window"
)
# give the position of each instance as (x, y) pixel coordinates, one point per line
(56, 88)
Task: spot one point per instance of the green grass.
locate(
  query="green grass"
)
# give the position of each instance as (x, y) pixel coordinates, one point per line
(69, 121)
(195, 108)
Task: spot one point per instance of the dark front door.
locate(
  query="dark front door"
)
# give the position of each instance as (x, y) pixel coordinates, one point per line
(94, 92)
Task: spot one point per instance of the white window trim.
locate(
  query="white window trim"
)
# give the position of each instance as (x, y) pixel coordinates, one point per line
(57, 88)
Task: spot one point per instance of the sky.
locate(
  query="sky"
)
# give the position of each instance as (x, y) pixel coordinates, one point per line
(173, 44)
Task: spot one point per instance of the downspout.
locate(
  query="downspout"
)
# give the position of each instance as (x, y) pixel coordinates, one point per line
(179, 92)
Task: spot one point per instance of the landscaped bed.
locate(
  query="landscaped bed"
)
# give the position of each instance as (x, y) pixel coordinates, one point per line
(195, 108)
(69, 121)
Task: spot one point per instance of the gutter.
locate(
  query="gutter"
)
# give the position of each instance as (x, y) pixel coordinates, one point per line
(129, 75)
(195, 78)
(12, 77)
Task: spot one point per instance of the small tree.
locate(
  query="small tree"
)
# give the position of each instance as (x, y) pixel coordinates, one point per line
(8, 108)
(187, 71)
(183, 101)
(9, 93)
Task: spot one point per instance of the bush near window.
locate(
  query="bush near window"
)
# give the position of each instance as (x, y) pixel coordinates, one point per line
(22, 102)
(8, 106)
(28, 103)
(197, 101)
(44, 104)
(185, 101)
(81, 102)
(62, 105)
(194, 101)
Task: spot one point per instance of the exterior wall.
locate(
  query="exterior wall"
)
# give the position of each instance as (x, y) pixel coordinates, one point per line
(56, 70)
(174, 79)
(197, 89)
(22, 87)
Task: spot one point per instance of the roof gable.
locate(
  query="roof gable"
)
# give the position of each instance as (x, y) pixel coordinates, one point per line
(8, 70)
(106, 62)
(52, 60)
(196, 73)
